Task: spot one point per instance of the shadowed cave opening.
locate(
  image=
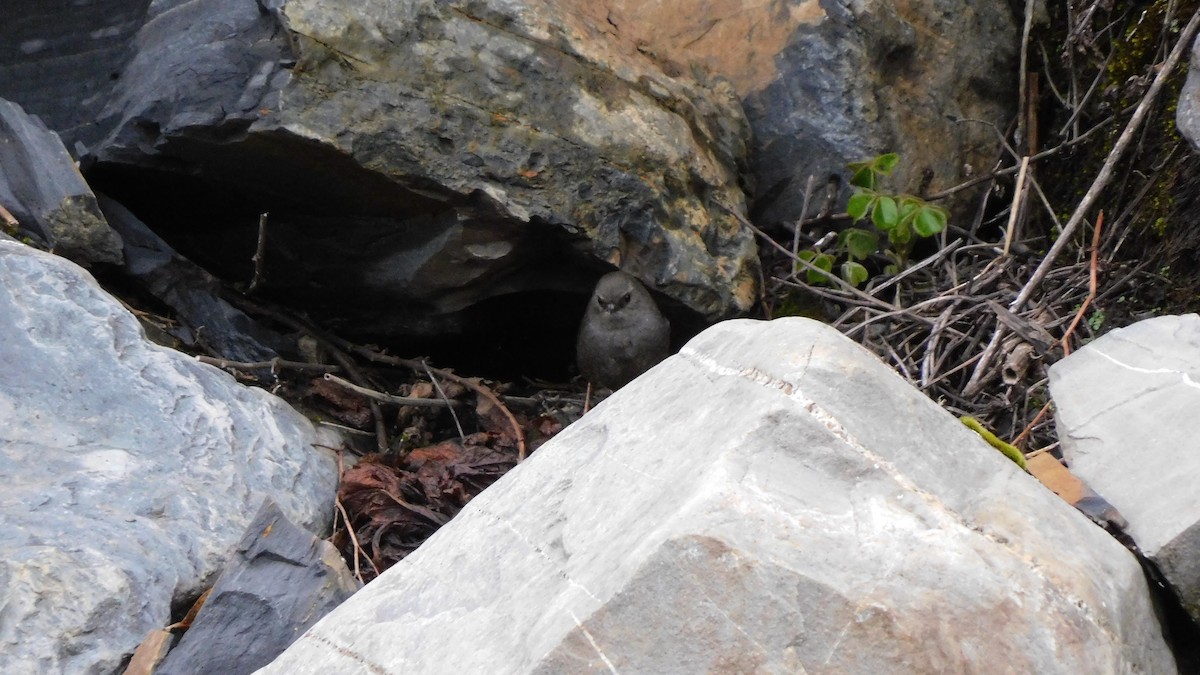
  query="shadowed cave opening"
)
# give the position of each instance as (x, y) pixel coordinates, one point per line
(523, 334)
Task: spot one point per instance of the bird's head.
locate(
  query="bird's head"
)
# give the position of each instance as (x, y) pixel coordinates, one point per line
(616, 291)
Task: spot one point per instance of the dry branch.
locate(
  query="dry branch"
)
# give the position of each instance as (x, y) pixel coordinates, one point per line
(1088, 201)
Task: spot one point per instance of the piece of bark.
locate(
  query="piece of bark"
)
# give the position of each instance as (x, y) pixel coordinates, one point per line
(150, 653)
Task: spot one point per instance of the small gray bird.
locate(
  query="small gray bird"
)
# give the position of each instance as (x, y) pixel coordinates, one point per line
(622, 333)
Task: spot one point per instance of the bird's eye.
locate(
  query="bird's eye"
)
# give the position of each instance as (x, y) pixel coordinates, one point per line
(625, 298)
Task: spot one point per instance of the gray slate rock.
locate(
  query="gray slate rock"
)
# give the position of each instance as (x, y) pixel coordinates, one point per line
(281, 581)
(62, 57)
(1127, 407)
(429, 156)
(129, 470)
(42, 188)
(771, 499)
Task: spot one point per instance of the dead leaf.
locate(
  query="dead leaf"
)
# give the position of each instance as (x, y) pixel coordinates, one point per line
(150, 653)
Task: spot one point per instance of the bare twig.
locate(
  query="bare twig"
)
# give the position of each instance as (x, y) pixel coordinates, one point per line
(1100, 72)
(1089, 199)
(358, 550)
(1022, 79)
(274, 365)
(1062, 100)
(928, 362)
(1083, 22)
(1092, 281)
(442, 392)
(470, 383)
(807, 265)
(329, 343)
(345, 429)
(808, 188)
(1008, 171)
(934, 259)
(259, 253)
(1110, 162)
(1029, 427)
(1015, 209)
(381, 438)
(391, 398)
(1033, 140)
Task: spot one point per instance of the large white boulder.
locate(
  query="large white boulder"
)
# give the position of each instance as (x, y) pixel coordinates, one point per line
(772, 499)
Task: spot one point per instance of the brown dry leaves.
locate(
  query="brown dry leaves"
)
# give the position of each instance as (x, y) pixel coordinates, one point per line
(395, 503)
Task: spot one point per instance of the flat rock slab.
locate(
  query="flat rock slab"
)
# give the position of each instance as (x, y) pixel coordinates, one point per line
(280, 582)
(772, 499)
(1128, 414)
(129, 470)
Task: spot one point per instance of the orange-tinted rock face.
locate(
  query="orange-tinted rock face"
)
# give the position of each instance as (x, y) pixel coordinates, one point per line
(824, 85)
(734, 38)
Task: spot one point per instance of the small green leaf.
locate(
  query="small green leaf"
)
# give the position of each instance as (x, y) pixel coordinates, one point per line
(863, 177)
(859, 243)
(885, 214)
(891, 270)
(929, 221)
(855, 167)
(824, 263)
(884, 164)
(854, 273)
(901, 234)
(859, 204)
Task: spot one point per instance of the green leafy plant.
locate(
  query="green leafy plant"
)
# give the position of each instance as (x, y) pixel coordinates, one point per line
(899, 218)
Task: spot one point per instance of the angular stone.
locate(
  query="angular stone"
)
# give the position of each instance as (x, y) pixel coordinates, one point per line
(771, 499)
(1127, 407)
(129, 470)
(41, 187)
(281, 581)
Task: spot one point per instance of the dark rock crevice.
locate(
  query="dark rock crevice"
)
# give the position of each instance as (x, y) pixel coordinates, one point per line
(518, 319)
